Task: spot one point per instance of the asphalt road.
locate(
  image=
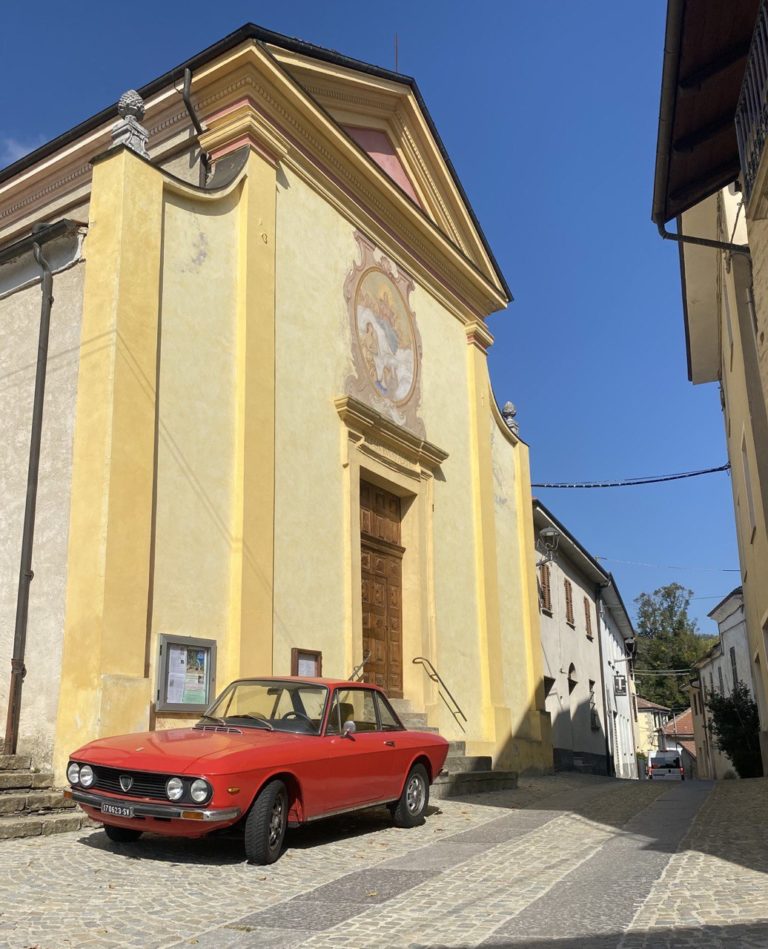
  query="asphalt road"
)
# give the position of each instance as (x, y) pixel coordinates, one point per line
(560, 862)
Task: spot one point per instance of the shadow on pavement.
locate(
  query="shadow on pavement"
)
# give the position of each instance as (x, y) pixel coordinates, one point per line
(215, 850)
(736, 936)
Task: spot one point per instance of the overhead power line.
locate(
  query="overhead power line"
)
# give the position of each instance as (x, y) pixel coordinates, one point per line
(629, 482)
(666, 566)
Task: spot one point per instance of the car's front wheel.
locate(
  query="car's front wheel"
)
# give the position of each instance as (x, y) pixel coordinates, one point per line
(409, 810)
(121, 835)
(266, 823)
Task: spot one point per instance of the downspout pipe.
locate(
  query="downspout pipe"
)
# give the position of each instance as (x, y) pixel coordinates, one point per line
(18, 669)
(609, 760)
(701, 241)
(186, 96)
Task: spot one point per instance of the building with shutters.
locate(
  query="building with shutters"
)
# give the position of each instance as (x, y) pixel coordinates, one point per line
(269, 442)
(587, 644)
(724, 665)
(711, 188)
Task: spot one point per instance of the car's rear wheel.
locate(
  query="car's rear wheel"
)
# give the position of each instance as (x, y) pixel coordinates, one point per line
(266, 823)
(121, 835)
(409, 810)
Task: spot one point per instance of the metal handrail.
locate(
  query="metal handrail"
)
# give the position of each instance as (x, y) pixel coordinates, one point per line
(752, 110)
(357, 672)
(453, 706)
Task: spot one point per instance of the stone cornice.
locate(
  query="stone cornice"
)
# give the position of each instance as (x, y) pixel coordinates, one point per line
(287, 125)
(372, 425)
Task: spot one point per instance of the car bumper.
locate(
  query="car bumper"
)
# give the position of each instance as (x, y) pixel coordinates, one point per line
(140, 809)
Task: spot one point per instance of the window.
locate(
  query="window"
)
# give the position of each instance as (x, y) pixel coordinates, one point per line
(549, 684)
(594, 718)
(748, 488)
(353, 705)
(545, 590)
(588, 617)
(728, 327)
(695, 704)
(569, 603)
(387, 717)
(306, 662)
(734, 669)
(720, 679)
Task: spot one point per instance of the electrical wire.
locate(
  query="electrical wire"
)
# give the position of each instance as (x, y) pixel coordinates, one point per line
(666, 566)
(630, 482)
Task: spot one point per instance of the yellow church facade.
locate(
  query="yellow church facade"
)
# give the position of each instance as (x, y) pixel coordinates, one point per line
(279, 449)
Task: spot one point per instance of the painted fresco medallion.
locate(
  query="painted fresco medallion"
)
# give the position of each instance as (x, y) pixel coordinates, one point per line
(386, 336)
(385, 339)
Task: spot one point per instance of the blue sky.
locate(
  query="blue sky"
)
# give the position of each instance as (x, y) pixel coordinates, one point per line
(549, 112)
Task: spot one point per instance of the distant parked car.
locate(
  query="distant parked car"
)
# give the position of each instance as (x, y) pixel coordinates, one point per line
(665, 766)
(268, 754)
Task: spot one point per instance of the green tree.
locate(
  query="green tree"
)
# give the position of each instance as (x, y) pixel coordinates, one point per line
(667, 638)
(735, 727)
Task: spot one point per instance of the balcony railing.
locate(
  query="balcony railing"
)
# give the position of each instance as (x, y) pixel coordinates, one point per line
(752, 109)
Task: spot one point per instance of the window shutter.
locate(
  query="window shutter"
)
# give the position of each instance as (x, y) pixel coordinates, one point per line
(546, 590)
(569, 603)
(588, 617)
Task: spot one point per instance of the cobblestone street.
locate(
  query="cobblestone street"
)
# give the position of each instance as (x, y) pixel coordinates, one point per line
(560, 862)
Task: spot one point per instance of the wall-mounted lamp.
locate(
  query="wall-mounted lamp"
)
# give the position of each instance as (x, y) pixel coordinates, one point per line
(546, 544)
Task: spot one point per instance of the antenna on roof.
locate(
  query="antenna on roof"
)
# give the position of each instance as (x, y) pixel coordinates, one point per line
(396, 69)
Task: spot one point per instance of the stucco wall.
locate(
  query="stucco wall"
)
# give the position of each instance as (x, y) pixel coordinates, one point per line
(562, 646)
(19, 325)
(619, 707)
(196, 424)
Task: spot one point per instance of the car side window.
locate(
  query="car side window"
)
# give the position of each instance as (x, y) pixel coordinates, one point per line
(358, 706)
(334, 720)
(387, 717)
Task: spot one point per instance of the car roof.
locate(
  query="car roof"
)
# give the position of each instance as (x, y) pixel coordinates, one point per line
(313, 680)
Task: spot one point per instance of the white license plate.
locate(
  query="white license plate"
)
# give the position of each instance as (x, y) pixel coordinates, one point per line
(117, 810)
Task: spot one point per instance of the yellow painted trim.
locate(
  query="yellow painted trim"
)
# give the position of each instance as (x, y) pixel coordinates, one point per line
(103, 675)
(253, 566)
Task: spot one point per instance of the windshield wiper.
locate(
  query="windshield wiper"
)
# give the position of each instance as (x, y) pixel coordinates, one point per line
(257, 721)
(211, 718)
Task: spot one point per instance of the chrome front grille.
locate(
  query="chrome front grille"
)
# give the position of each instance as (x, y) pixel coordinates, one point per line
(145, 784)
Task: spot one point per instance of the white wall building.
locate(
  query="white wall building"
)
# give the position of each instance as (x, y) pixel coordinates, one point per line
(726, 663)
(584, 631)
(617, 638)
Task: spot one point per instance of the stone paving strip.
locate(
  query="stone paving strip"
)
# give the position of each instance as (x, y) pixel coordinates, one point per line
(601, 899)
(78, 889)
(714, 890)
(523, 855)
(461, 879)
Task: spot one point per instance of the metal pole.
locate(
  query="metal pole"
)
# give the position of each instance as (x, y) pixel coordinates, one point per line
(18, 669)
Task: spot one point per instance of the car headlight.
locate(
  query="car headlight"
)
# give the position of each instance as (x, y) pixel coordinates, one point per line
(87, 776)
(174, 788)
(73, 772)
(200, 790)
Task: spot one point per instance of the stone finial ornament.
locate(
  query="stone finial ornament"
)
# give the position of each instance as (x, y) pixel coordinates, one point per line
(508, 413)
(129, 131)
(131, 103)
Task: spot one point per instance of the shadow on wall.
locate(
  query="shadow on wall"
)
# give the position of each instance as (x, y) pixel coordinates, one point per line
(579, 740)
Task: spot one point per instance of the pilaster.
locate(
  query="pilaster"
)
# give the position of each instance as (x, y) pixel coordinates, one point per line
(104, 666)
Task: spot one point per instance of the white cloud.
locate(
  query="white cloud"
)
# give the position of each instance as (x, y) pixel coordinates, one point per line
(11, 149)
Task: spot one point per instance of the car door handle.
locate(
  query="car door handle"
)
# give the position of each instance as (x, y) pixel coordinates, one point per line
(391, 744)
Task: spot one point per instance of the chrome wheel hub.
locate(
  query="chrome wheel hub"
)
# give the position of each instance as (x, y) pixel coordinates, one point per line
(276, 822)
(415, 793)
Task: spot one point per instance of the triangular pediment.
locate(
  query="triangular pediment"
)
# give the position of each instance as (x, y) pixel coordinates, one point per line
(385, 118)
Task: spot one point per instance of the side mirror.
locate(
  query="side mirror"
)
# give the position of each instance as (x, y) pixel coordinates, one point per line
(348, 730)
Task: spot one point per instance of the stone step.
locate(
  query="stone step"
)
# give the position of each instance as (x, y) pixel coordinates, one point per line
(414, 720)
(456, 748)
(32, 802)
(472, 782)
(461, 763)
(15, 763)
(45, 824)
(11, 780)
(401, 706)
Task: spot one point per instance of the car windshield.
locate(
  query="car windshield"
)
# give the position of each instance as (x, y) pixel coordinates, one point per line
(272, 705)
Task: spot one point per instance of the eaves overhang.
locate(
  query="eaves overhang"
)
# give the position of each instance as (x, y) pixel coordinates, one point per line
(706, 47)
(254, 33)
(569, 546)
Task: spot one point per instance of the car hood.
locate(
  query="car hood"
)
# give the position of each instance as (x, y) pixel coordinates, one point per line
(177, 750)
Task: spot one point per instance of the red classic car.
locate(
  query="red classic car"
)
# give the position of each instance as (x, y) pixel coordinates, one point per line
(268, 754)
